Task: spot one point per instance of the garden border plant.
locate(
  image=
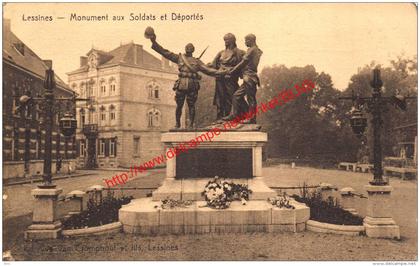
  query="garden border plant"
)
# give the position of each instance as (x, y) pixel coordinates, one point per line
(98, 213)
(326, 211)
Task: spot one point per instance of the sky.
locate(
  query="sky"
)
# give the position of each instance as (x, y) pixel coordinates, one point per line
(335, 38)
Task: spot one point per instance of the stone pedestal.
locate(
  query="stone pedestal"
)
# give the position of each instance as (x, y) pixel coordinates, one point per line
(378, 221)
(235, 155)
(326, 190)
(45, 223)
(348, 200)
(77, 201)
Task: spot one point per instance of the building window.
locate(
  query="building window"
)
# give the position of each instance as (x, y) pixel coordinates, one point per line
(136, 146)
(112, 115)
(36, 149)
(112, 86)
(102, 147)
(15, 104)
(89, 89)
(153, 117)
(153, 87)
(102, 115)
(103, 88)
(112, 151)
(37, 113)
(82, 90)
(82, 150)
(82, 117)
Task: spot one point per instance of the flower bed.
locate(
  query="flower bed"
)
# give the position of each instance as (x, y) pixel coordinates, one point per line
(97, 214)
(327, 211)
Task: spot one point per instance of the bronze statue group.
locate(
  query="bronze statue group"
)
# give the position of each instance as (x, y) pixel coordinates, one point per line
(227, 67)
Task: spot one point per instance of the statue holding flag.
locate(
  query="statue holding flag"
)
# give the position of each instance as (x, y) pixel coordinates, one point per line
(188, 83)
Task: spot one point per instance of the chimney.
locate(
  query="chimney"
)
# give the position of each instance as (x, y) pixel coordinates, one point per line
(165, 63)
(48, 63)
(83, 61)
(6, 25)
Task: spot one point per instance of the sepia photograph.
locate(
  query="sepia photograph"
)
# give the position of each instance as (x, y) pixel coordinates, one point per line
(210, 132)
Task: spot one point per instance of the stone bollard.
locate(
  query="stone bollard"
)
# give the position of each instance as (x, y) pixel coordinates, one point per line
(45, 220)
(348, 200)
(326, 190)
(378, 221)
(77, 201)
(97, 193)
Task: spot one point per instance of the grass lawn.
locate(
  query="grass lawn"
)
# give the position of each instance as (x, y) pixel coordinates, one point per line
(256, 246)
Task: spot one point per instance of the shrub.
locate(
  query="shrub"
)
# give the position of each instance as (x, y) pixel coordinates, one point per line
(97, 214)
(326, 211)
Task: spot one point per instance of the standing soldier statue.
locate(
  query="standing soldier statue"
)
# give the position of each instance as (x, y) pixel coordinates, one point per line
(248, 68)
(188, 82)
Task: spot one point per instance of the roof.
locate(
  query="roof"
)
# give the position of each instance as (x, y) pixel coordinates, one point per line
(29, 60)
(128, 54)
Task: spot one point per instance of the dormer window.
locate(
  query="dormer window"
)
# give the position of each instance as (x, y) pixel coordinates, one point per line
(20, 47)
(92, 61)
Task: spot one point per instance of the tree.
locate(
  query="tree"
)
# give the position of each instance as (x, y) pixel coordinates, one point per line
(309, 126)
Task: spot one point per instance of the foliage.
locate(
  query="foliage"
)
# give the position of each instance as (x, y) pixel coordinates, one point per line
(219, 194)
(97, 214)
(326, 211)
(309, 127)
(171, 203)
(282, 201)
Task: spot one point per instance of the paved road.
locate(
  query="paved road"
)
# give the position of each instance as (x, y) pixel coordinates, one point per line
(17, 199)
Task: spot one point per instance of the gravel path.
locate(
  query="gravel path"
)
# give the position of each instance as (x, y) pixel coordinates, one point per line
(256, 246)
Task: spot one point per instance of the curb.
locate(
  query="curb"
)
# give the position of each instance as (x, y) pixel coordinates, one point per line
(96, 230)
(318, 227)
(40, 179)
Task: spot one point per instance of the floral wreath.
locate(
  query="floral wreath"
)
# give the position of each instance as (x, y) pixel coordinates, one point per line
(220, 193)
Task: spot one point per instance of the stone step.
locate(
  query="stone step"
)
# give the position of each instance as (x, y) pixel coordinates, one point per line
(191, 189)
(144, 216)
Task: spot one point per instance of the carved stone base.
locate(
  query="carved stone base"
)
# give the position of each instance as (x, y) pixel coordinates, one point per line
(43, 231)
(381, 228)
(45, 219)
(378, 221)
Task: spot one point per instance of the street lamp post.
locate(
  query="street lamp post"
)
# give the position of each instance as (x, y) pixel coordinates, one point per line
(378, 221)
(374, 105)
(46, 224)
(67, 124)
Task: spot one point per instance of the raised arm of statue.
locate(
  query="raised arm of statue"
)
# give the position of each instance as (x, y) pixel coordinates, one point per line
(165, 53)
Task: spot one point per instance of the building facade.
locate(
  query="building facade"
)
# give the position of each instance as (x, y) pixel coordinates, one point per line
(23, 131)
(131, 102)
